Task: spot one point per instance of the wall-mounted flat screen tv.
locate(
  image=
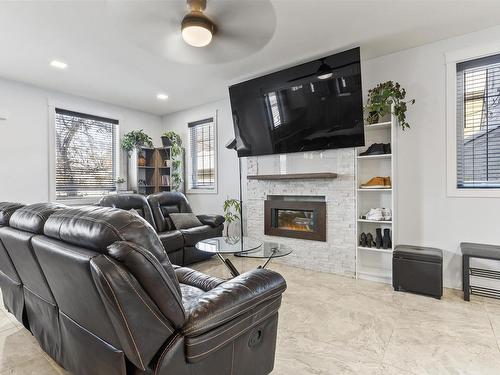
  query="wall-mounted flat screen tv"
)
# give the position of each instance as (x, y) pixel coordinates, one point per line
(313, 106)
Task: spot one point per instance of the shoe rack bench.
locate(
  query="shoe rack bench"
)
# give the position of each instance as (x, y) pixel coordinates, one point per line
(372, 263)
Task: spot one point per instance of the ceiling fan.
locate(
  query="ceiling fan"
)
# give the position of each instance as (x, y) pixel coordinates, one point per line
(197, 28)
(228, 29)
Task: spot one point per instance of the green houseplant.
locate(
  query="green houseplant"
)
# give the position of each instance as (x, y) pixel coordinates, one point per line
(136, 139)
(382, 97)
(173, 140)
(232, 212)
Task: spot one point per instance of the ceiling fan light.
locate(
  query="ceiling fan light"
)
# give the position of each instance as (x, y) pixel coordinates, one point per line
(197, 29)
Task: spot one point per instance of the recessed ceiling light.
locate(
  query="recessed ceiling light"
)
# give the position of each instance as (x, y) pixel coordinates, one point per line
(162, 96)
(58, 64)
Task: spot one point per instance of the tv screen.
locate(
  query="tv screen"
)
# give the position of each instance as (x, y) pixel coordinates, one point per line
(313, 106)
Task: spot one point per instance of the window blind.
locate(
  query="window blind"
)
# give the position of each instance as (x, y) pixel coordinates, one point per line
(478, 123)
(86, 154)
(202, 154)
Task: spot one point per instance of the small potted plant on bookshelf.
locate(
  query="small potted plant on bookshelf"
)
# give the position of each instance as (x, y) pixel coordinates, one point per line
(380, 100)
(171, 138)
(120, 184)
(136, 139)
(232, 211)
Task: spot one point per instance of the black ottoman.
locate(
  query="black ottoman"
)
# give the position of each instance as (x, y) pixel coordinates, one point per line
(418, 269)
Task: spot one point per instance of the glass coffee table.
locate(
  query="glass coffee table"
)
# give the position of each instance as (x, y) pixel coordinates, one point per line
(245, 247)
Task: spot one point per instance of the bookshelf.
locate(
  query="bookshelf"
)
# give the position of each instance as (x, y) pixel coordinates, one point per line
(372, 263)
(150, 170)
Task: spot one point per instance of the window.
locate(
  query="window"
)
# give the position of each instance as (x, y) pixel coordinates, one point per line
(202, 155)
(86, 155)
(478, 123)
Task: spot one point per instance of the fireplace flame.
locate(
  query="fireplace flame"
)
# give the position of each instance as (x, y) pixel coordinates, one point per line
(296, 227)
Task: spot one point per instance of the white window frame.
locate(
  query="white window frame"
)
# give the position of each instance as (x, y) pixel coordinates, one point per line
(52, 105)
(213, 115)
(452, 59)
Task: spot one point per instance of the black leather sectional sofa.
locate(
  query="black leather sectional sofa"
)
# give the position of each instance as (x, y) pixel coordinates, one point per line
(155, 209)
(95, 287)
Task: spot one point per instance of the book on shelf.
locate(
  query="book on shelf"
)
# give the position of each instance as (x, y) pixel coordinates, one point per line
(165, 180)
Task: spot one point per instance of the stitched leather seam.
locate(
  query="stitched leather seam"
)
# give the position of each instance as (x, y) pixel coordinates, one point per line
(121, 312)
(234, 325)
(160, 360)
(8, 277)
(93, 220)
(212, 317)
(136, 292)
(147, 255)
(36, 294)
(232, 337)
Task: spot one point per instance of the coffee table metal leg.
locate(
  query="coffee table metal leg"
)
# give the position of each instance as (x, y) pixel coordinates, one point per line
(230, 266)
(269, 259)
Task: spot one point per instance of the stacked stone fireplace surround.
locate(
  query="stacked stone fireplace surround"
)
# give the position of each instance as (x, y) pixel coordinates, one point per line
(337, 254)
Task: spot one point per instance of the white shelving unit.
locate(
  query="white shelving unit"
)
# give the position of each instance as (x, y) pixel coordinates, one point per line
(372, 263)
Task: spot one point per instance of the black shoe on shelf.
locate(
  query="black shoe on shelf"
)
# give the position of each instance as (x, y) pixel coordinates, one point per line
(374, 149)
(387, 148)
(378, 238)
(386, 240)
(369, 240)
(362, 239)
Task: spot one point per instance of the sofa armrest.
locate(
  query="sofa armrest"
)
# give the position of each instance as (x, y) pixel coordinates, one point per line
(233, 298)
(197, 279)
(213, 220)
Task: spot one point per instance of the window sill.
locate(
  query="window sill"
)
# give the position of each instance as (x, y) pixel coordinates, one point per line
(79, 201)
(473, 193)
(201, 191)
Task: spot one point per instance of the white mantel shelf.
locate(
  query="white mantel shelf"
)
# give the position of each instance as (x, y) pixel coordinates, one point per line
(294, 176)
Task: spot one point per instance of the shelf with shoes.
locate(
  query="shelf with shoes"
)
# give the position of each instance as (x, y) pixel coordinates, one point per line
(376, 188)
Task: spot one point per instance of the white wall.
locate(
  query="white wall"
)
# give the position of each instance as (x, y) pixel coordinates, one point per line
(227, 162)
(24, 165)
(427, 216)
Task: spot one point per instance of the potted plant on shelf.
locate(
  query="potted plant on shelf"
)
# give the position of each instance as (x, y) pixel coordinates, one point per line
(173, 140)
(382, 97)
(232, 211)
(136, 139)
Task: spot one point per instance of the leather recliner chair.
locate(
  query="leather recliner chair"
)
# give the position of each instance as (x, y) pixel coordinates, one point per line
(155, 209)
(165, 203)
(109, 301)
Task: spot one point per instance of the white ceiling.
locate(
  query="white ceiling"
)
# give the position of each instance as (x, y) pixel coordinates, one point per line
(117, 53)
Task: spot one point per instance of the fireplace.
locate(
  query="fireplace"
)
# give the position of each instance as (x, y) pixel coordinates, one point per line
(305, 219)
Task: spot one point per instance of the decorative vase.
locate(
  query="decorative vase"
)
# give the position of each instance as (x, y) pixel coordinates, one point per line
(166, 141)
(142, 160)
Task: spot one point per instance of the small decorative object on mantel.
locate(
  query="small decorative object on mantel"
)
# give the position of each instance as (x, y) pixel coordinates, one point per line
(136, 139)
(382, 97)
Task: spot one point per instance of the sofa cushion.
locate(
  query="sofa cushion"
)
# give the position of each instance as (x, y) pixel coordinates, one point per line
(6, 211)
(163, 204)
(185, 220)
(32, 218)
(172, 240)
(194, 235)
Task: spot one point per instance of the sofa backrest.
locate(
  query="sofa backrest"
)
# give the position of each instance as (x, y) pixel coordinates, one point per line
(128, 202)
(10, 282)
(110, 276)
(164, 203)
(26, 223)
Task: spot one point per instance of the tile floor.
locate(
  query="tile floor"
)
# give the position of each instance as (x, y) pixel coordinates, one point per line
(335, 325)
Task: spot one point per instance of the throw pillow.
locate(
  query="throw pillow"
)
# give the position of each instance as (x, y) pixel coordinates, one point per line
(185, 220)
